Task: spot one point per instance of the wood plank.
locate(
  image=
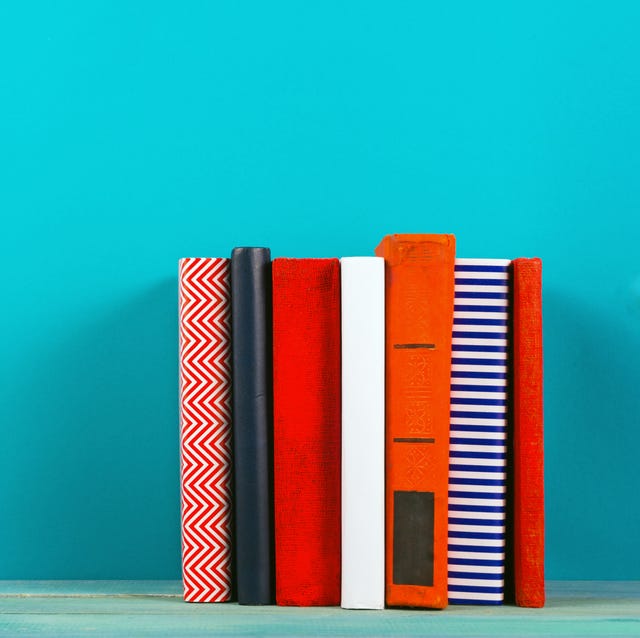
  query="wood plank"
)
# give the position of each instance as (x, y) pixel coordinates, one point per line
(91, 588)
(155, 608)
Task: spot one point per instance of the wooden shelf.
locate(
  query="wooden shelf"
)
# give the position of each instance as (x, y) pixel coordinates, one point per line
(155, 608)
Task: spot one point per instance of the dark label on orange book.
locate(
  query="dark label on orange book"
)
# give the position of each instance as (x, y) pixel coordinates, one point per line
(413, 528)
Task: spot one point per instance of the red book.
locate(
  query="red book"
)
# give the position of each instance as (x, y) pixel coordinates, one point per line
(528, 465)
(307, 436)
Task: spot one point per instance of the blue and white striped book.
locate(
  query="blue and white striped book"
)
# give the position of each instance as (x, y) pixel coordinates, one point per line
(477, 457)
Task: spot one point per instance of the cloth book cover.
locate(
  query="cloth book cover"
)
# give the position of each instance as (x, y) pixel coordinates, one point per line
(478, 443)
(528, 444)
(419, 316)
(306, 367)
(362, 432)
(252, 424)
(205, 428)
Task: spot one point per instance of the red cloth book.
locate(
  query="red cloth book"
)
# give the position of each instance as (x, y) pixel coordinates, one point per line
(307, 435)
(528, 464)
(205, 428)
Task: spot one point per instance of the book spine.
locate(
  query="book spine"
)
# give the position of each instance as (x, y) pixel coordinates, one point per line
(528, 443)
(205, 429)
(362, 286)
(419, 318)
(253, 426)
(306, 334)
(477, 457)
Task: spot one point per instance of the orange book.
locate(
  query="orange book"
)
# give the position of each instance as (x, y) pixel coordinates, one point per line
(419, 272)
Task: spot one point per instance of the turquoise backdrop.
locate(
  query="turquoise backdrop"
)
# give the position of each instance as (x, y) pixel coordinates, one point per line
(135, 133)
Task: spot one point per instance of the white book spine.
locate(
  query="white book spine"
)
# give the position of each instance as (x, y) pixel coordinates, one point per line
(363, 387)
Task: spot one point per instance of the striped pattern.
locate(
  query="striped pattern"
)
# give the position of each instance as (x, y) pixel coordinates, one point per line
(478, 432)
(205, 429)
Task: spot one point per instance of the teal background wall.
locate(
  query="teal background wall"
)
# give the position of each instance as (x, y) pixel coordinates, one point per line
(135, 133)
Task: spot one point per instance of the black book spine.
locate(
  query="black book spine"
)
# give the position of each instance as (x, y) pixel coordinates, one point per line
(252, 424)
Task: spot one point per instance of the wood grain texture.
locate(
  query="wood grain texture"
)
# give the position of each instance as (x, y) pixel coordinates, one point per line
(155, 608)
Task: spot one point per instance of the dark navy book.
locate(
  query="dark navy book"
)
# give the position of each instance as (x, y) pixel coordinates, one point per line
(252, 424)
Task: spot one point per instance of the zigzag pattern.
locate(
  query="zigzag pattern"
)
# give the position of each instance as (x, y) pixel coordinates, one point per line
(205, 428)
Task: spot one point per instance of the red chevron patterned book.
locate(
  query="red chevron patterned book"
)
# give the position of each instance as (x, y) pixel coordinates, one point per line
(419, 319)
(306, 384)
(205, 428)
(528, 463)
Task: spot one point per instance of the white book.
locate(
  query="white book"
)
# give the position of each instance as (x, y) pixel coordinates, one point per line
(363, 386)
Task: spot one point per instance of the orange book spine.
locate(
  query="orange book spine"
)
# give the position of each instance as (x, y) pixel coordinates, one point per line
(419, 273)
(528, 439)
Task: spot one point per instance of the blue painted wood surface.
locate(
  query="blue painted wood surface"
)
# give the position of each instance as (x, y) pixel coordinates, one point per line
(155, 608)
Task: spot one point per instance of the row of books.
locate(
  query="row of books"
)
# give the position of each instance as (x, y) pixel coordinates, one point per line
(362, 432)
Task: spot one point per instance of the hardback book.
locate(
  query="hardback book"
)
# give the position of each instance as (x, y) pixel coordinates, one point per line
(362, 294)
(419, 317)
(306, 380)
(252, 424)
(528, 443)
(205, 428)
(479, 430)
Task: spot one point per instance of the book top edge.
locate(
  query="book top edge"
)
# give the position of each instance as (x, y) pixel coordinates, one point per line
(478, 261)
(183, 260)
(355, 260)
(306, 259)
(531, 260)
(420, 238)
